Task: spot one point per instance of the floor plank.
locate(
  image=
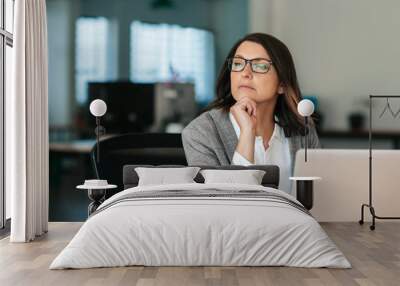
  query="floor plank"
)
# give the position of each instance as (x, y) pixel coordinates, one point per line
(375, 257)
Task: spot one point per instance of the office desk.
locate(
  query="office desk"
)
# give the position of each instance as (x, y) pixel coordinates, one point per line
(72, 147)
(393, 136)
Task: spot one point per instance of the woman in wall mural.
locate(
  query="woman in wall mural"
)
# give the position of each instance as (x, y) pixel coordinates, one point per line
(254, 118)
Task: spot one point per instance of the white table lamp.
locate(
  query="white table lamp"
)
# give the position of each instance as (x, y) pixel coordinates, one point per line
(305, 109)
(98, 108)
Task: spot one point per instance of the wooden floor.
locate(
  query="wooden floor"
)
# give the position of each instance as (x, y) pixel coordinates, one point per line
(375, 257)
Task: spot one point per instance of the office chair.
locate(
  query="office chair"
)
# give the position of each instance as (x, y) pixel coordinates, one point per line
(135, 149)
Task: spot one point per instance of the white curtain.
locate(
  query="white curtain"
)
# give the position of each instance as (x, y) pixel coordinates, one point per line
(27, 124)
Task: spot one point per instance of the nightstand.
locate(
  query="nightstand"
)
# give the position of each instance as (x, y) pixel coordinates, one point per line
(304, 190)
(96, 194)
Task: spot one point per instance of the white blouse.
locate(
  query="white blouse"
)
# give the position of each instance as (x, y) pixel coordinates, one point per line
(276, 154)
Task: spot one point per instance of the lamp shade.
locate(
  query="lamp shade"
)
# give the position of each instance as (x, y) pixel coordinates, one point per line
(98, 107)
(305, 107)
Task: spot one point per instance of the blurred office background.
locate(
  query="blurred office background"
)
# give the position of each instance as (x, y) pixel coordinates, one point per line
(155, 63)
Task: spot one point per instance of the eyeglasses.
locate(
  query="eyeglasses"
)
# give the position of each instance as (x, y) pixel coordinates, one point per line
(237, 64)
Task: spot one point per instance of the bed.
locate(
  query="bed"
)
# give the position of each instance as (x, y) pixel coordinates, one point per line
(201, 224)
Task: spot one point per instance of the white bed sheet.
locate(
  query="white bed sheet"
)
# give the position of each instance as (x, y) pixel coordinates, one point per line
(200, 231)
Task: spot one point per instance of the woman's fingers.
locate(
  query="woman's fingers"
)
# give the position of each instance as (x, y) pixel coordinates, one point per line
(246, 104)
(249, 108)
(249, 104)
(241, 109)
(244, 111)
(242, 105)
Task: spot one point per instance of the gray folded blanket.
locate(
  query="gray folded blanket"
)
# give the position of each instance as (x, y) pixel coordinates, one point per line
(199, 194)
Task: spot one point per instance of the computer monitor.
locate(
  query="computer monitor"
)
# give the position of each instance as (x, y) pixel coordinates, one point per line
(174, 104)
(130, 106)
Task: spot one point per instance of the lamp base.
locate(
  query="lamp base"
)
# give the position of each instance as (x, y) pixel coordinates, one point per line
(97, 197)
(305, 193)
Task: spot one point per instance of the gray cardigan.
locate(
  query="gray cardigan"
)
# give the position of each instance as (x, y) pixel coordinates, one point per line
(210, 139)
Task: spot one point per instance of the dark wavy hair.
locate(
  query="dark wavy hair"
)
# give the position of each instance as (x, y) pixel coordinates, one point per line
(286, 106)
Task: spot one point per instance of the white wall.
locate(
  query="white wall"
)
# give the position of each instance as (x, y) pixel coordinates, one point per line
(260, 16)
(344, 50)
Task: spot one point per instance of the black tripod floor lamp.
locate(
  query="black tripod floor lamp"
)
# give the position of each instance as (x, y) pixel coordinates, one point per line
(394, 114)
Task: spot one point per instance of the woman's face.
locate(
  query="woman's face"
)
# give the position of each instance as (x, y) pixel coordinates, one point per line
(260, 87)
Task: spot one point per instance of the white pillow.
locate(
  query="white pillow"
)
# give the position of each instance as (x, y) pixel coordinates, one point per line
(248, 177)
(162, 176)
